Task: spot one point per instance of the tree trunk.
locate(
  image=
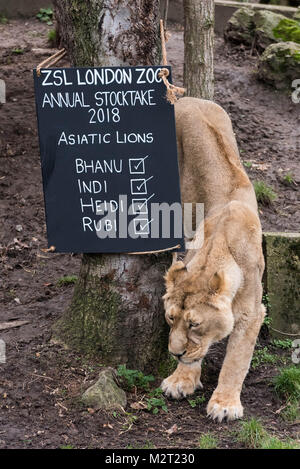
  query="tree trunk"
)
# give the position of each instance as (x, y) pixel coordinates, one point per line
(108, 33)
(116, 312)
(198, 48)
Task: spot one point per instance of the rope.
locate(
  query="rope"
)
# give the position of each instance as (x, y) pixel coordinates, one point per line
(51, 249)
(52, 60)
(163, 43)
(284, 333)
(172, 90)
(156, 252)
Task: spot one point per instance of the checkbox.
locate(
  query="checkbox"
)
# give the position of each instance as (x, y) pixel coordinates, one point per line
(139, 186)
(139, 207)
(137, 166)
(141, 226)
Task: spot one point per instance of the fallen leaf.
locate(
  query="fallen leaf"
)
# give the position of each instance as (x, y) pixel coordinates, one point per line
(173, 429)
(261, 166)
(108, 425)
(138, 405)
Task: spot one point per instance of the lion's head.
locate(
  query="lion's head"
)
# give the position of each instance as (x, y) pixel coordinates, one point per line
(198, 311)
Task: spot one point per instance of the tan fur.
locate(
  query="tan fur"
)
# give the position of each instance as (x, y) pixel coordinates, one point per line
(216, 291)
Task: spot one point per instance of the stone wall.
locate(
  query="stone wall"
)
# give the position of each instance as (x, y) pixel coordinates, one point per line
(282, 281)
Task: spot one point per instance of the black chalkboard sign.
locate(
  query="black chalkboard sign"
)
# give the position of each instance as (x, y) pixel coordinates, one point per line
(109, 160)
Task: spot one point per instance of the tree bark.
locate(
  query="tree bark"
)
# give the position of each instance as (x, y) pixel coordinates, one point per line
(116, 312)
(198, 48)
(109, 32)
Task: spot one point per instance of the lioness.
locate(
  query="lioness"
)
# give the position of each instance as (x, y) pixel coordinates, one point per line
(217, 290)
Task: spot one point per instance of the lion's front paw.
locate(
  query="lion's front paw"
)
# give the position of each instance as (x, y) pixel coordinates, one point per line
(222, 407)
(179, 386)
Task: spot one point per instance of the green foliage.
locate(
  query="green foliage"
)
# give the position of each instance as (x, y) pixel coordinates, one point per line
(66, 447)
(208, 441)
(251, 433)
(67, 280)
(282, 343)
(291, 412)
(3, 19)
(267, 321)
(287, 383)
(18, 51)
(157, 392)
(287, 30)
(154, 404)
(52, 37)
(133, 378)
(288, 178)
(45, 15)
(156, 401)
(266, 301)
(264, 194)
(262, 357)
(272, 442)
(296, 55)
(194, 402)
(248, 164)
(130, 420)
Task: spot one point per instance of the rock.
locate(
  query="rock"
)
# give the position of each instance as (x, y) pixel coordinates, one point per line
(264, 23)
(296, 15)
(282, 280)
(240, 27)
(279, 65)
(265, 26)
(287, 30)
(105, 393)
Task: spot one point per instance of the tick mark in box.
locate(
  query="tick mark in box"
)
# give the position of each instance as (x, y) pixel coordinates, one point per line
(142, 226)
(137, 165)
(139, 186)
(140, 206)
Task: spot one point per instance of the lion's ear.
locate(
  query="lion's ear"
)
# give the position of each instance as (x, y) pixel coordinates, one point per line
(176, 271)
(218, 283)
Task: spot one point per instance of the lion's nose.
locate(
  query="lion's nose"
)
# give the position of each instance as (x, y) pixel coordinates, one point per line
(178, 355)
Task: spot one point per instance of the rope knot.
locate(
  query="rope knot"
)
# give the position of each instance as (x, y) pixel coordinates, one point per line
(172, 90)
(164, 72)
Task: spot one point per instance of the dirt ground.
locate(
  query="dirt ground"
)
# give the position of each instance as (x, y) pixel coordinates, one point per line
(40, 382)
